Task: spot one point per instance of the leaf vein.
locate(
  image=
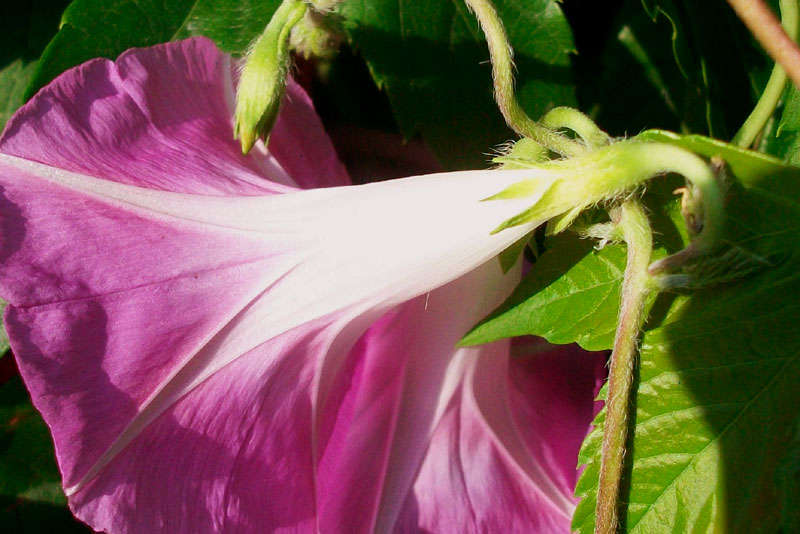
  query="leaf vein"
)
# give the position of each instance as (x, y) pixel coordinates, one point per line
(713, 441)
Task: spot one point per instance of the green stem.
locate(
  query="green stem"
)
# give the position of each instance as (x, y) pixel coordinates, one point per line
(583, 126)
(766, 28)
(774, 88)
(705, 203)
(502, 58)
(635, 288)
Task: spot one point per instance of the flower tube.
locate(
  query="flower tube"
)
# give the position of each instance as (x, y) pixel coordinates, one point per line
(216, 349)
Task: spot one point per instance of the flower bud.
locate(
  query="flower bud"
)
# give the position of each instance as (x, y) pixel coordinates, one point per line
(316, 35)
(263, 78)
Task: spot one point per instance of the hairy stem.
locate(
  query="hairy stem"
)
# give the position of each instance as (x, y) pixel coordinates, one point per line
(583, 126)
(502, 58)
(774, 88)
(703, 203)
(766, 28)
(638, 236)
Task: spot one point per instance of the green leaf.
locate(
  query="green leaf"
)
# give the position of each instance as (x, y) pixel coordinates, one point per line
(14, 77)
(31, 499)
(432, 60)
(714, 445)
(25, 29)
(781, 138)
(715, 402)
(716, 53)
(546, 302)
(4, 346)
(635, 83)
(750, 167)
(790, 118)
(713, 410)
(572, 294)
(106, 28)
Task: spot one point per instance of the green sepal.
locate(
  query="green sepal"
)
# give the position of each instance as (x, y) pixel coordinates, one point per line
(532, 214)
(508, 258)
(559, 223)
(523, 154)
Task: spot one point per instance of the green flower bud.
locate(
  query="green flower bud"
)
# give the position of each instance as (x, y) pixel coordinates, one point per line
(263, 79)
(316, 35)
(325, 6)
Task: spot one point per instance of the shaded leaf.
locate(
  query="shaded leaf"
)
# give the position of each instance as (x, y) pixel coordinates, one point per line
(716, 53)
(31, 498)
(432, 60)
(787, 479)
(25, 29)
(635, 83)
(106, 28)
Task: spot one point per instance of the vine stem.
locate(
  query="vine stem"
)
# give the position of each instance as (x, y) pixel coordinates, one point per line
(766, 28)
(774, 89)
(502, 57)
(635, 227)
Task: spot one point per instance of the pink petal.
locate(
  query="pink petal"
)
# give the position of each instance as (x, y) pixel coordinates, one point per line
(121, 310)
(552, 391)
(480, 474)
(233, 455)
(160, 118)
(107, 305)
(400, 379)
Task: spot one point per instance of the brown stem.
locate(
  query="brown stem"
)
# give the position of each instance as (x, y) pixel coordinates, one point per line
(767, 29)
(635, 288)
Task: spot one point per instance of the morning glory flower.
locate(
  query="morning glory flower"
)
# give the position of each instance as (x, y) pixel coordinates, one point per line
(229, 343)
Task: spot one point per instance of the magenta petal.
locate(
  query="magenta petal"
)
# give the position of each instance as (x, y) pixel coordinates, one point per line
(234, 455)
(299, 142)
(101, 319)
(380, 421)
(283, 363)
(422, 437)
(160, 118)
(552, 389)
(480, 474)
